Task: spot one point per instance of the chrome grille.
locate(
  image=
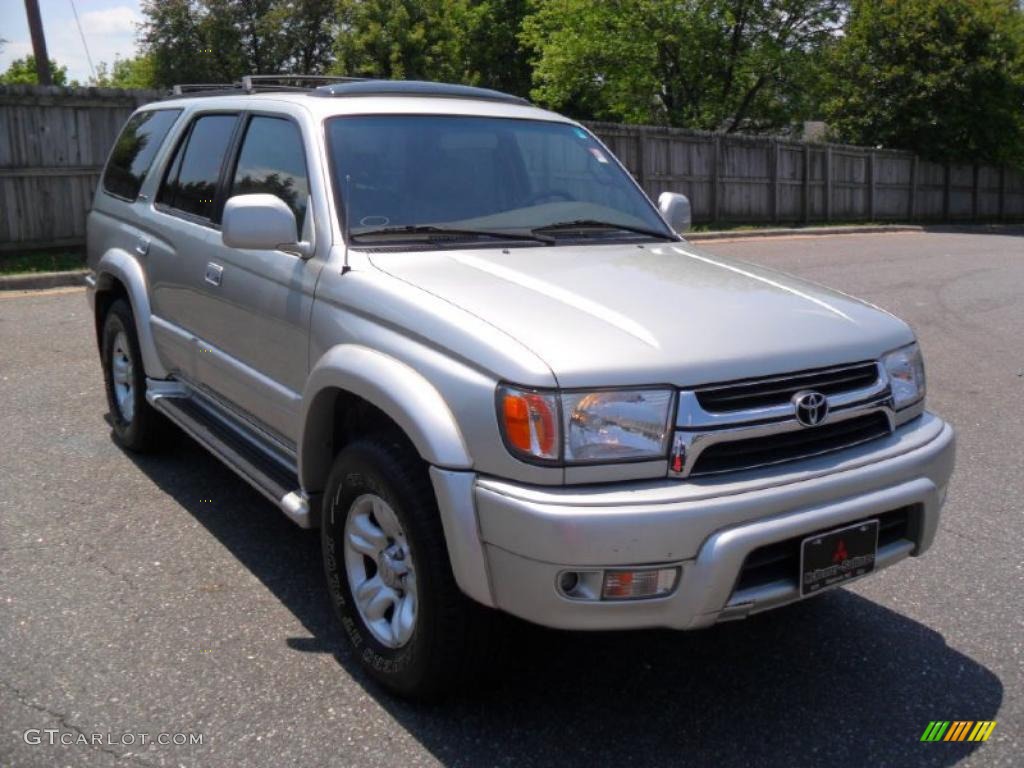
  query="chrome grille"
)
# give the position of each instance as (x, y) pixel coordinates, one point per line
(713, 435)
(789, 446)
(778, 390)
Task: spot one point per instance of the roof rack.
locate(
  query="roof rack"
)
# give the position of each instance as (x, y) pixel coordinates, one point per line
(339, 85)
(253, 83)
(261, 83)
(198, 88)
(416, 88)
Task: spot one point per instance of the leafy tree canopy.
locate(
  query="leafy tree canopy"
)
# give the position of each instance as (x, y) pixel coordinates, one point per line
(203, 41)
(711, 64)
(466, 41)
(23, 72)
(944, 78)
(136, 72)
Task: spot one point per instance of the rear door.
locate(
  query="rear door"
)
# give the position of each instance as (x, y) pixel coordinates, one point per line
(185, 238)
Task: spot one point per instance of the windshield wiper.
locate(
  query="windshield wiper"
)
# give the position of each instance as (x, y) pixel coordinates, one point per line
(441, 231)
(598, 224)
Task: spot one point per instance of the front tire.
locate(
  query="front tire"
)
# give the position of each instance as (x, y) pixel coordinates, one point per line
(388, 573)
(136, 426)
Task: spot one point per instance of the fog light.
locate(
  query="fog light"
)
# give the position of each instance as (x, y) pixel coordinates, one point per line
(633, 585)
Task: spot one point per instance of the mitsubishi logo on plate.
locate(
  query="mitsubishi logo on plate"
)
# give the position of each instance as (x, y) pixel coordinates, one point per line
(811, 408)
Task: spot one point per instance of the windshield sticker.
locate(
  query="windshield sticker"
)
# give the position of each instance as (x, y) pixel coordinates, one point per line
(598, 155)
(581, 133)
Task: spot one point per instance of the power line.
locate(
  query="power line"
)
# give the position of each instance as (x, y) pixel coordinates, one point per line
(82, 35)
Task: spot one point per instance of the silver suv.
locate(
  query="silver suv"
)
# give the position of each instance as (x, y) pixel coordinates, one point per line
(447, 328)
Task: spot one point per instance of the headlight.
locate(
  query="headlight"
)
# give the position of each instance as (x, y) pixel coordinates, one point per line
(586, 427)
(905, 367)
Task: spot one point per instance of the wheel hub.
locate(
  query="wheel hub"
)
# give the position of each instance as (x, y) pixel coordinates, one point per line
(122, 370)
(380, 570)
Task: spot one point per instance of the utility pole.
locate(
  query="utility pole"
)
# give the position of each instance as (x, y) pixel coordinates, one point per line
(35, 27)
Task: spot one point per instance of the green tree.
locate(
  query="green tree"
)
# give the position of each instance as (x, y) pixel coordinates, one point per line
(492, 53)
(399, 39)
(464, 41)
(712, 64)
(216, 41)
(944, 78)
(23, 72)
(136, 72)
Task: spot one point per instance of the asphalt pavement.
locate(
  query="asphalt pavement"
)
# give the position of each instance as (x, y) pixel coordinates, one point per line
(161, 595)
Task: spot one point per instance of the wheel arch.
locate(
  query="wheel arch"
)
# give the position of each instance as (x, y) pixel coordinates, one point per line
(119, 275)
(351, 372)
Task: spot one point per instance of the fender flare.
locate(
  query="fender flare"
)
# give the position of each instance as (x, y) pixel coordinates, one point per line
(394, 387)
(121, 265)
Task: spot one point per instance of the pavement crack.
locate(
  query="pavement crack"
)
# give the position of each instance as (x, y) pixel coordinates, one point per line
(64, 722)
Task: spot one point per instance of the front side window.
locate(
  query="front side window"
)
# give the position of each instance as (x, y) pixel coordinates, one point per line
(272, 161)
(134, 151)
(411, 173)
(191, 182)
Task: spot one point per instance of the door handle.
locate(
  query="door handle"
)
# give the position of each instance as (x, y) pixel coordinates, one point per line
(214, 273)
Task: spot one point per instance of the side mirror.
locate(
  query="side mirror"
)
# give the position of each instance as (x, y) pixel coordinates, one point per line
(262, 222)
(675, 209)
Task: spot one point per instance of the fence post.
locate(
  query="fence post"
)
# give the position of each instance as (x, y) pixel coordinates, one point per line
(974, 193)
(1002, 192)
(870, 172)
(912, 192)
(805, 186)
(641, 166)
(945, 191)
(716, 161)
(773, 180)
(828, 183)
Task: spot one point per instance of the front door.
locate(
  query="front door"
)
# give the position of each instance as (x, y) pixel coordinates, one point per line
(254, 352)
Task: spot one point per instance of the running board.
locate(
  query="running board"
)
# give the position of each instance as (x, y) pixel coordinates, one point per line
(254, 464)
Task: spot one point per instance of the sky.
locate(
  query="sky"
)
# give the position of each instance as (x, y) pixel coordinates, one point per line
(108, 25)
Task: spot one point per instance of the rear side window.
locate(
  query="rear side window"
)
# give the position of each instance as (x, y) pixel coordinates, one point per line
(191, 183)
(134, 151)
(272, 161)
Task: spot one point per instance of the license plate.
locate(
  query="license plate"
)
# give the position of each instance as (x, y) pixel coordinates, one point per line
(838, 556)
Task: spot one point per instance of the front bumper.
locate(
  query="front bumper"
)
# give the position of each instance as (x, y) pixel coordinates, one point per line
(527, 536)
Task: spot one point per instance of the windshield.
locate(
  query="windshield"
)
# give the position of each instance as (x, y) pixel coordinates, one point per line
(479, 177)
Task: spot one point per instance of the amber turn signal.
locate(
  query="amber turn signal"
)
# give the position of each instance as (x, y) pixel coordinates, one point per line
(530, 423)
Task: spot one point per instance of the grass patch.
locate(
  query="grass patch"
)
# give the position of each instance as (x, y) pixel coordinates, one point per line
(55, 260)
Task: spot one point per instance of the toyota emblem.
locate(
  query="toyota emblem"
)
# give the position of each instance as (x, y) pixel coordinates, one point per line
(811, 408)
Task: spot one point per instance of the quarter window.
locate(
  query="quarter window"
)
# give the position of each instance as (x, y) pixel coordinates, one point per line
(272, 161)
(191, 184)
(134, 151)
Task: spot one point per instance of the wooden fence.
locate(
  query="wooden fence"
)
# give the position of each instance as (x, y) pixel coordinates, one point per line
(54, 141)
(753, 179)
(53, 144)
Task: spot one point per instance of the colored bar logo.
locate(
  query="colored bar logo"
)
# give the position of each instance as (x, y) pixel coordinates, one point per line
(958, 730)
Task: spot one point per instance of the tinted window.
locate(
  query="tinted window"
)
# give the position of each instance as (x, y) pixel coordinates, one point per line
(478, 172)
(134, 151)
(272, 161)
(192, 182)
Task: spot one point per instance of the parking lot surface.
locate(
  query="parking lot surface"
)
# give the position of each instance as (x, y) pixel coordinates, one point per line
(161, 595)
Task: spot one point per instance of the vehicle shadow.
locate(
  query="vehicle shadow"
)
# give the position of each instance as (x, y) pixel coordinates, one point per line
(838, 680)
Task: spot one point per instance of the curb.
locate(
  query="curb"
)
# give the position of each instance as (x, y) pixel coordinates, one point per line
(726, 234)
(34, 281)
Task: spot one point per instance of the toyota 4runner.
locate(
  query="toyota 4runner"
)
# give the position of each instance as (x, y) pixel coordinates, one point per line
(448, 328)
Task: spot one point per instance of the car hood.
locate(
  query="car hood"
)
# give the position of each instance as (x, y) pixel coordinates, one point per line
(627, 314)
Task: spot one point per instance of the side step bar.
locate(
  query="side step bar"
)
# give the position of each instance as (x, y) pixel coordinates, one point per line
(256, 465)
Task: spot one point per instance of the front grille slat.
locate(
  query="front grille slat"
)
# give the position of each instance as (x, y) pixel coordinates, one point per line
(777, 390)
(788, 446)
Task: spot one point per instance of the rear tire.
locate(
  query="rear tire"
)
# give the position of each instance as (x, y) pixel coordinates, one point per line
(136, 425)
(383, 542)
